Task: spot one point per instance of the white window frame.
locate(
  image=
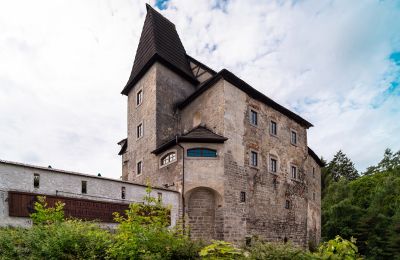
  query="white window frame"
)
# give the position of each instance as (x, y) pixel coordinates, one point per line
(140, 91)
(170, 162)
(137, 130)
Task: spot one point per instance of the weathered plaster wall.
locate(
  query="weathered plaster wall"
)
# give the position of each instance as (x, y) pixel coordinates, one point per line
(53, 182)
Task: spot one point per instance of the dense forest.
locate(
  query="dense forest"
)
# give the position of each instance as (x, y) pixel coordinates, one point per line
(365, 205)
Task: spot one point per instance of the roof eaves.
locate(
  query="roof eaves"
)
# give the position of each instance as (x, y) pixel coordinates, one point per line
(315, 157)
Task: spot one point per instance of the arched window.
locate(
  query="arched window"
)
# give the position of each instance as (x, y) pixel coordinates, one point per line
(168, 158)
(201, 152)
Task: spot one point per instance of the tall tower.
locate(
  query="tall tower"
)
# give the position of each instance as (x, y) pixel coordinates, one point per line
(161, 77)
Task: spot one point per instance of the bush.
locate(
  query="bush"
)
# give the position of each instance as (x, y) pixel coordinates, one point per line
(220, 250)
(260, 250)
(47, 215)
(144, 234)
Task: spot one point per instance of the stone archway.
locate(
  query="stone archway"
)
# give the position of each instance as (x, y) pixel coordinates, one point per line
(202, 212)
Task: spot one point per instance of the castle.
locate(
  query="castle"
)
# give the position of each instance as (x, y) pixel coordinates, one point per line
(239, 160)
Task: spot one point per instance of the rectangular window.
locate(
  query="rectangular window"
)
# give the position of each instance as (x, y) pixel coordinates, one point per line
(273, 165)
(287, 204)
(36, 180)
(253, 117)
(313, 172)
(84, 187)
(313, 195)
(159, 196)
(254, 159)
(123, 191)
(139, 97)
(294, 172)
(273, 128)
(140, 130)
(293, 137)
(242, 196)
(139, 168)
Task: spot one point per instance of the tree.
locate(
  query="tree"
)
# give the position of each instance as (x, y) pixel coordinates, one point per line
(342, 166)
(389, 162)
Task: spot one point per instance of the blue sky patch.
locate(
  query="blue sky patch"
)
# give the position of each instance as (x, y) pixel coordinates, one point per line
(161, 4)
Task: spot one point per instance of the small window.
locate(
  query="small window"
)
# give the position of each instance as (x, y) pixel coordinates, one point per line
(242, 196)
(36, 180)
(159, 196)
(293, 137)
(139, 97)
(168, 158)
(313, 196)
(139, 168)
(123, 193)
(294, 172)
(253, 117)
(273, 163)
(201, 152)
(140, 130)
(84, 187)
(254, 159)
(273, 129)
(287, 204)
(313, 172)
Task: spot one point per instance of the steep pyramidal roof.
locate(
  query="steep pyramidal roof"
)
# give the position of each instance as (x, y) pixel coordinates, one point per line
(159, 41)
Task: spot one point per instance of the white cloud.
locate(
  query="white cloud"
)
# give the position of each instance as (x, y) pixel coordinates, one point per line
(65, 62)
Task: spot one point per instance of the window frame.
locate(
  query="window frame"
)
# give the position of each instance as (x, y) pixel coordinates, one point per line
(84, 187)
(287, 204)
(168, 153)
(252, 152)
(139, 170)
(296, 172)
(271, 123)
(36, 180)
(242, 197)
(253, 112)
(296, 141)
(201, 149)
(271, 164)
(141, 127)
(139, 101)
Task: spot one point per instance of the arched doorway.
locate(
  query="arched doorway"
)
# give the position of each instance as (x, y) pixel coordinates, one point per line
(203, 216)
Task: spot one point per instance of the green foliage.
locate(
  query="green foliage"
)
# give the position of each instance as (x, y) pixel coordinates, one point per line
(220, 250)
(47, 215)
(144, 234)
(342, 166)
(72, 239)
(367, 208)
(338, 248)
(260, 251)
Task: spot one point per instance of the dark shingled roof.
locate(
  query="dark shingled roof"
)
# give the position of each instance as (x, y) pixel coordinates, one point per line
(124, 145)
(160, 42)
(315, 157)
(199, 134)
(249, 90)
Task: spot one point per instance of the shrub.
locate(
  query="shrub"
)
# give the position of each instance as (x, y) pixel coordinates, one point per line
(260, 250)
(339, 248)
(220, 250)
(144, 234)
(47, 215)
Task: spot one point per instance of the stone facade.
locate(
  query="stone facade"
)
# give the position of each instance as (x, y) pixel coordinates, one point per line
(224, 196)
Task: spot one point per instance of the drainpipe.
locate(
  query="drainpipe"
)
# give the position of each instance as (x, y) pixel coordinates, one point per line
(183, 184)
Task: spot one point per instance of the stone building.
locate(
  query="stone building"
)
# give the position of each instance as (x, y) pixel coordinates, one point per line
(239, 160)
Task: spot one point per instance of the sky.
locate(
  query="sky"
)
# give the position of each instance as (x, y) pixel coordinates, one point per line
(64, 64)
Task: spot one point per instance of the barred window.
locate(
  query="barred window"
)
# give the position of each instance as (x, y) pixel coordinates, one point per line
(123, 193)
(140, 130)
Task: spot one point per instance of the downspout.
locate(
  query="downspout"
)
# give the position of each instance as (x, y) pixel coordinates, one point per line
(183, 184)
